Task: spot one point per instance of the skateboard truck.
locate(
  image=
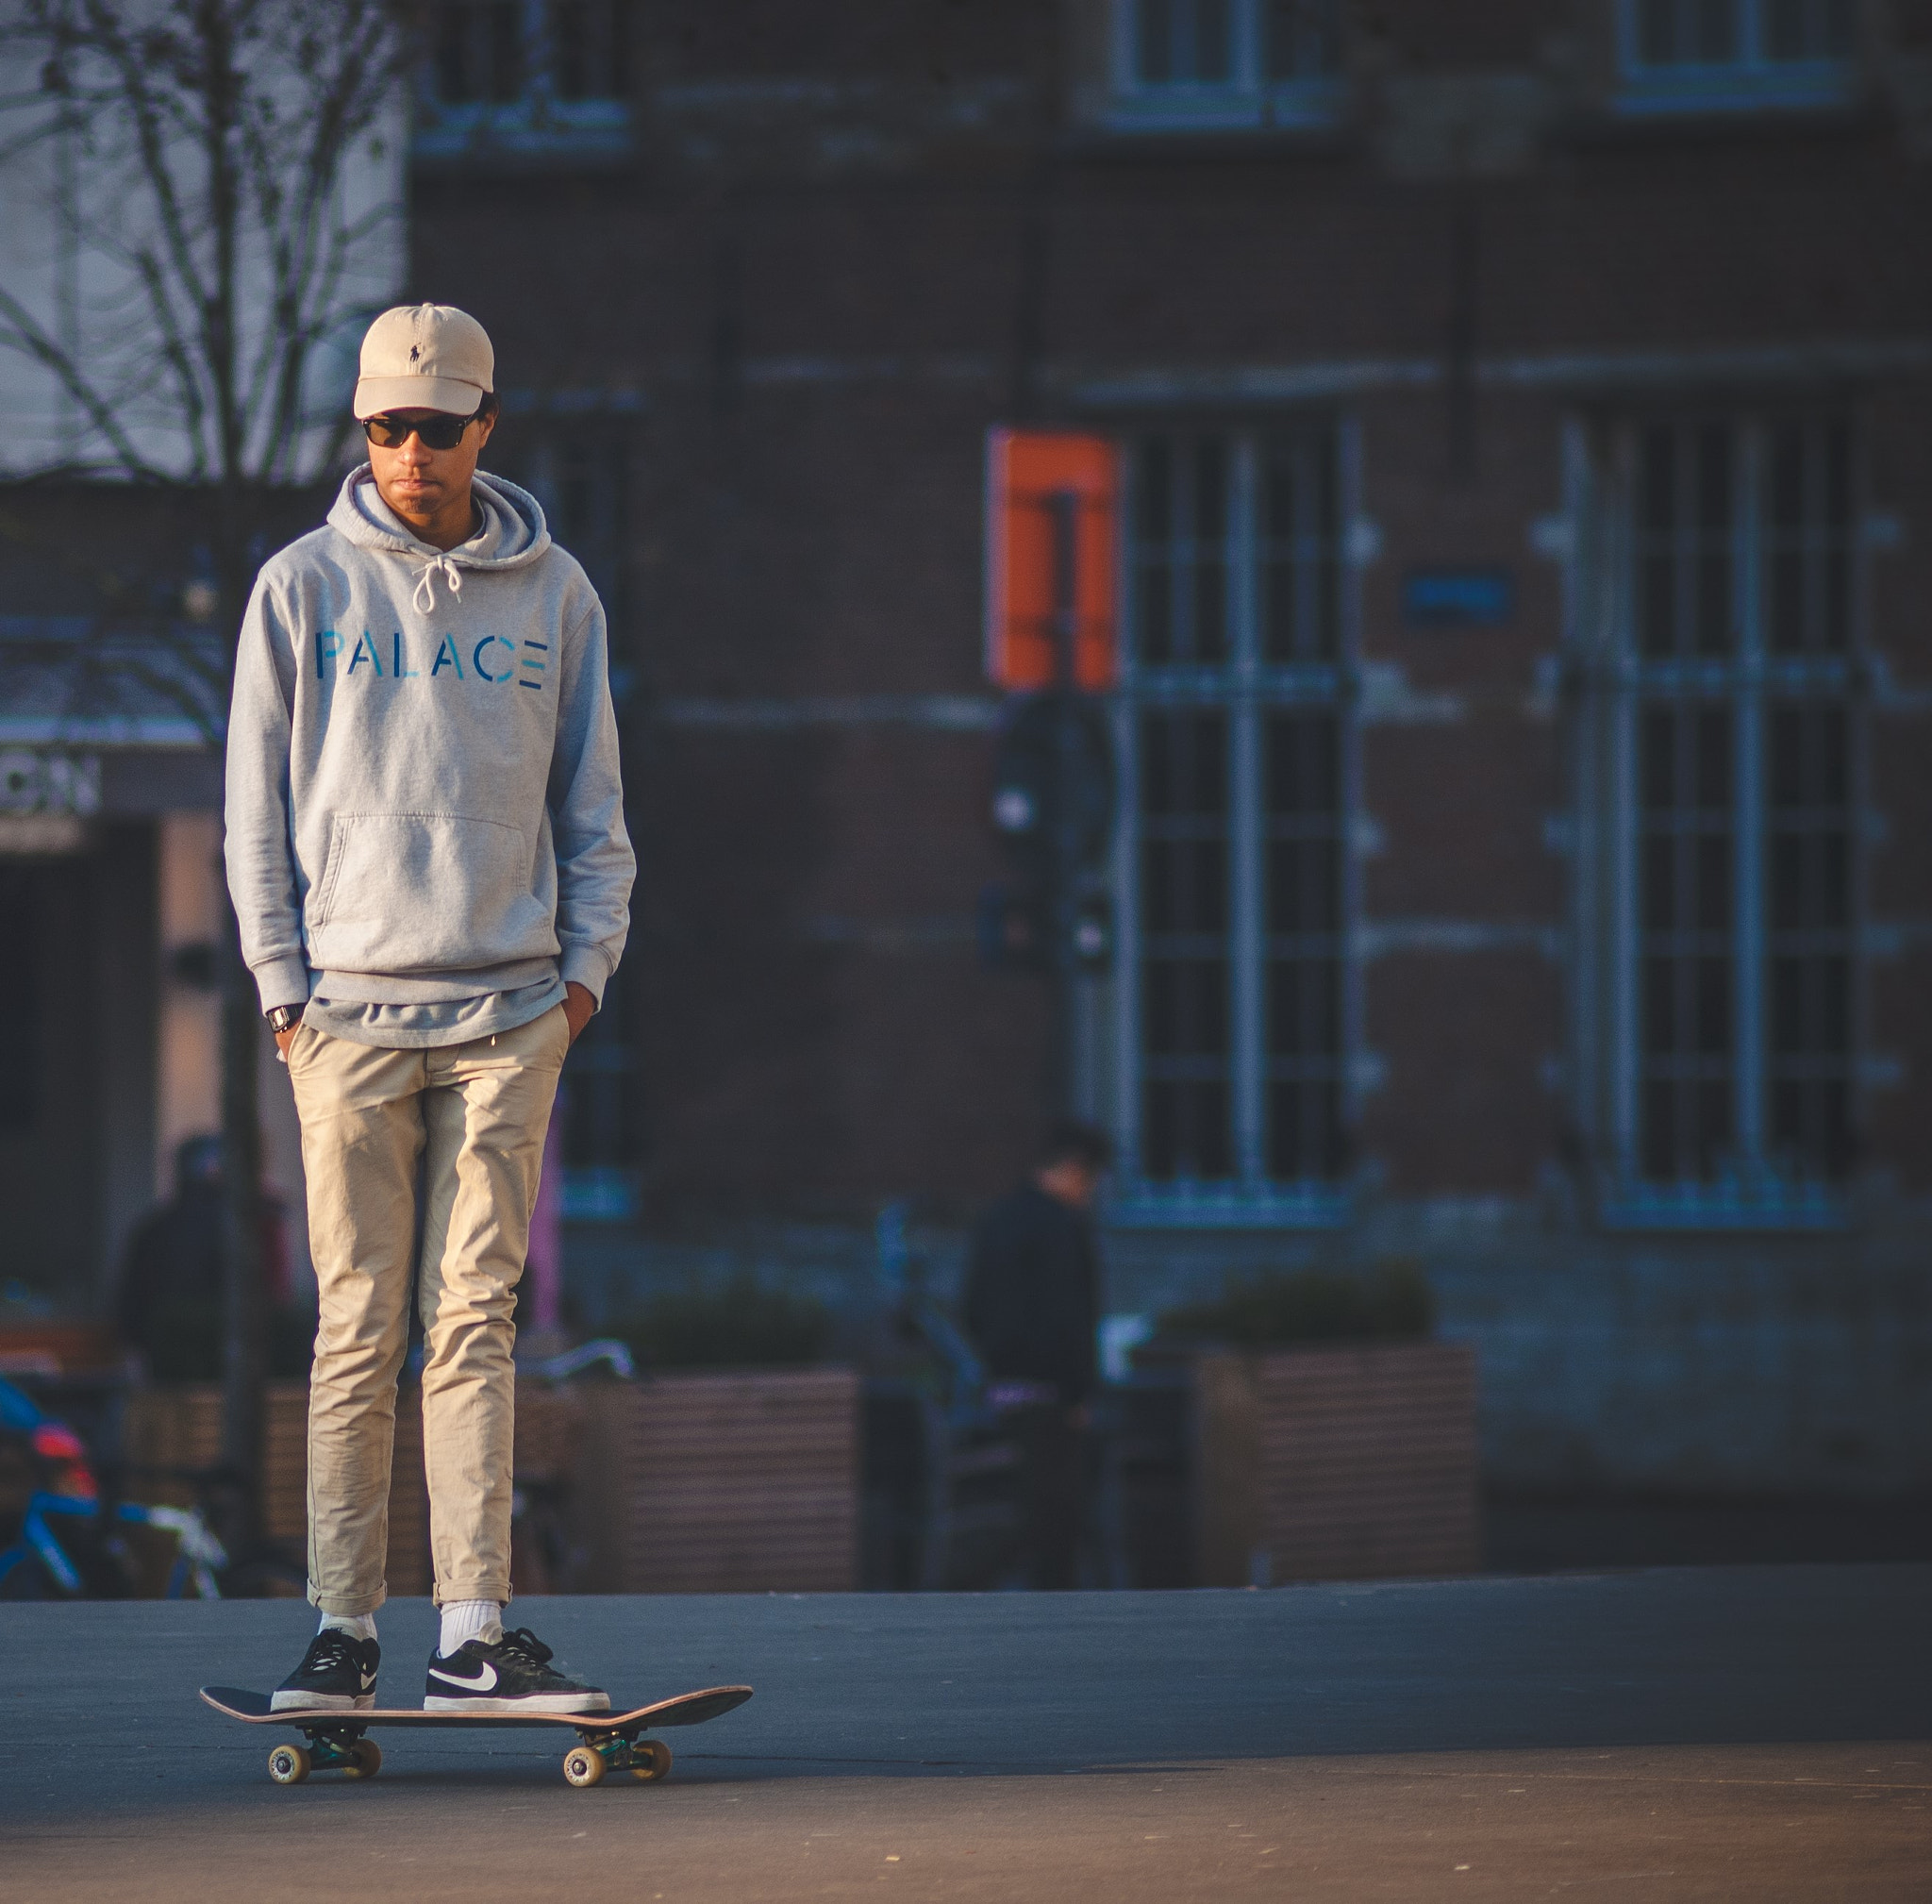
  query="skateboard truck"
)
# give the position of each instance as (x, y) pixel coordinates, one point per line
(330, 1748)
(645, 1759)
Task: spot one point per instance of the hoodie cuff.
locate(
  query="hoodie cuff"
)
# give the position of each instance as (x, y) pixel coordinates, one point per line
(586, 965)
(283, 981)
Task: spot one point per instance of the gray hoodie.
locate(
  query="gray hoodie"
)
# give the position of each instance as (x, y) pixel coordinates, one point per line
(423, 801)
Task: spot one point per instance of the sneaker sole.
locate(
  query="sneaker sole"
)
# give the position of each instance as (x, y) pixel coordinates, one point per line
(535, 1702)
(320, 1702)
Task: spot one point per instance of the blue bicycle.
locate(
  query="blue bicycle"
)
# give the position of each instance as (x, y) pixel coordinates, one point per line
(64, 1540)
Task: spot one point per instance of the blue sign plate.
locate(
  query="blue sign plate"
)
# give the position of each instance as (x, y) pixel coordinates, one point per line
(1458, 598)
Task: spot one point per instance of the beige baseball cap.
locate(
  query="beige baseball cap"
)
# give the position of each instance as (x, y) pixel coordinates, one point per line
(425, 357)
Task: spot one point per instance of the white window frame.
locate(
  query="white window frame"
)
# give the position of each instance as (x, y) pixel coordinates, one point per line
(1243, 101)
(537, 122)
(1753, 81)
(1617, 682)
(1248, 686)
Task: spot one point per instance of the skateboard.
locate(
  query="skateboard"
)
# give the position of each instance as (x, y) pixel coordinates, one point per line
(607, 1742)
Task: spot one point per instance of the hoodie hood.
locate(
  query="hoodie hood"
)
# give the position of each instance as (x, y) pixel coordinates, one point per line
(513, 535)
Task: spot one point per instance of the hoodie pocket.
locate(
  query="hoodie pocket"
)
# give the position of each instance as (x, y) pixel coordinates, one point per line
(425, 892)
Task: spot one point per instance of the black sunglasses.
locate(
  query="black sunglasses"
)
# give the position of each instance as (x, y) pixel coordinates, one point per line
(438, 432)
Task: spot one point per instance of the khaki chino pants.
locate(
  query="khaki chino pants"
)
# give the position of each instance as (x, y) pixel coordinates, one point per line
(469, 1121)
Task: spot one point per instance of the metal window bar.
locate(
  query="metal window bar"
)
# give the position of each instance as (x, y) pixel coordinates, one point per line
(1807, 537)
(1184, 43)
(1742, 778)
(1302, 39)
(1186, 1067)
(1303, 883)
(1686, 974)
(1797, 30)
(1690, 32)
(1685, 598)
(1666, 34)
(1181, 554)
(1235, 976)
(1301, 548)
(508, 52)
(479, 52)
(1807, 943)
(586, 45)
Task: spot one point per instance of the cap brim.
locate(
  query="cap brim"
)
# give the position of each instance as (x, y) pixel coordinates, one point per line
(375, 394)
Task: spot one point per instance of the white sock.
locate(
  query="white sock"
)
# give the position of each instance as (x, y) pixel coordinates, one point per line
(357, 1626)
(464, 1620)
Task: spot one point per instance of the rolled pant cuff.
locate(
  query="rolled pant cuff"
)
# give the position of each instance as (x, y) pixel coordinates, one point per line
(447, 1593)
(344, 1606)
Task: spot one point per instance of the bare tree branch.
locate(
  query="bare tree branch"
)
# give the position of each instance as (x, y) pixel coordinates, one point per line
(21, 331)
(232, 124)
(237, 119)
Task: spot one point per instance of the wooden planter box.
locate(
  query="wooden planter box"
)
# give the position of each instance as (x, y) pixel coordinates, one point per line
(1335, 1464)
(743, 1482)
(52, 1348)
(182, 1427)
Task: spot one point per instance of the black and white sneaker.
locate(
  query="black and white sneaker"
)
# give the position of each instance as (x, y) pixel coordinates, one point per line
(513, 1674)
(337, 1670)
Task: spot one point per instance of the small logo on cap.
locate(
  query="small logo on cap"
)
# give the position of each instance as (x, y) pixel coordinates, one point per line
(415, 352)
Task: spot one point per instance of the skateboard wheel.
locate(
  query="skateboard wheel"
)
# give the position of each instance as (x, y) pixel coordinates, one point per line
(650, 1760)
(582, 1766)
(288, 1765)
(365, 1760)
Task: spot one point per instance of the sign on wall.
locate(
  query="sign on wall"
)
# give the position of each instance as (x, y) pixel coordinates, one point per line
(1052, 531)
(46, 796)
(1457, 597)
(47, 781)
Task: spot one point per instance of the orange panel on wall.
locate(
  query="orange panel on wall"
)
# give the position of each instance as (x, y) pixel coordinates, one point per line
(1025, 472)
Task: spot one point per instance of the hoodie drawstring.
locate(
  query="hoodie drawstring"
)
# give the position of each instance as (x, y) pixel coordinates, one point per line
(424, 599)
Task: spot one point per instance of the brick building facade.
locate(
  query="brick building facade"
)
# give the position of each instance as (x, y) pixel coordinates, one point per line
(1523, 848)
(1521, 404)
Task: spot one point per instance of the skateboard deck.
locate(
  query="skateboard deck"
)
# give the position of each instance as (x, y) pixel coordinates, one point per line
(607, 1742)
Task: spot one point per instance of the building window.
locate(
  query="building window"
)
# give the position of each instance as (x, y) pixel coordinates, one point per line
(1729, 725)
(1226, 63)
(526, 75)
(1719, 54)
(1232, 1002)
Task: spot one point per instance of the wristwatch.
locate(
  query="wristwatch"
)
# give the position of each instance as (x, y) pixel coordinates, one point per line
(283, 1018)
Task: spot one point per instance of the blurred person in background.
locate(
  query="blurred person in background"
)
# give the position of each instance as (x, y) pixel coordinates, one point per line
(170, 1303)
(1032, 1307)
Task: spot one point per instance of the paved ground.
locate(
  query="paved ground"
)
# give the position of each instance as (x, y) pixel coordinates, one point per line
(1752, 1733)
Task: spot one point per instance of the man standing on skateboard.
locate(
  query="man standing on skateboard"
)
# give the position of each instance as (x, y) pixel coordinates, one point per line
(427, 855)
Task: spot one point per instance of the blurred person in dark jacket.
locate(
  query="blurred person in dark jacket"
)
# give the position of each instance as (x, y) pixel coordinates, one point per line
(1032, 1308)
(172, 1292)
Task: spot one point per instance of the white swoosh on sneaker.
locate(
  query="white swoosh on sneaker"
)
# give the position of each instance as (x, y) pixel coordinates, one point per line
(368, 1680)
(482, 1683)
